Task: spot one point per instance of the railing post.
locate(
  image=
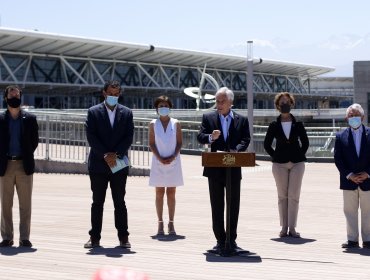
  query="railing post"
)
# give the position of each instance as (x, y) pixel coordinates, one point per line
(47, 138)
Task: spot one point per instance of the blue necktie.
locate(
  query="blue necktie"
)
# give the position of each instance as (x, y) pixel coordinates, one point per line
(225, 128)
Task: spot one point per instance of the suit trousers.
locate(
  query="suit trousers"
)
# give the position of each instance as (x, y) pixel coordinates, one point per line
(99, 185)
(352, 200)
(217, 188)
(15, 176)
(288, 178)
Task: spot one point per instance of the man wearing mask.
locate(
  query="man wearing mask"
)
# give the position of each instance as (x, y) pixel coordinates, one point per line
(352, 158)
(109, 130)
(18, 141)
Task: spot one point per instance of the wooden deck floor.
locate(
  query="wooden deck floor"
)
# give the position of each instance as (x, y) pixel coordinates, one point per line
(61, 219)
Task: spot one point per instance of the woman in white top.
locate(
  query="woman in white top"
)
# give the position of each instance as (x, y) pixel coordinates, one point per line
(288, 157)
(165, 140)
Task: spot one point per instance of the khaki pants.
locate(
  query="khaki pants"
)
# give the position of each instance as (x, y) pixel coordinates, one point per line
(288, 178)
(16, 177)
(352, 200)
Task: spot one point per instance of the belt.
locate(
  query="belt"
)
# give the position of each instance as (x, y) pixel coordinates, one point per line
(15, 157)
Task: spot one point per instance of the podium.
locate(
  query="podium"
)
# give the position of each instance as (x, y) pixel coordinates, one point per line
(228, 160)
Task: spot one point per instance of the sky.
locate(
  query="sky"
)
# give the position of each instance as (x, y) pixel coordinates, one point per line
(326, 32)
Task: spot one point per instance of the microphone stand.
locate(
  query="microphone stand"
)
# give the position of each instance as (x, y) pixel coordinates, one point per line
(227, 250)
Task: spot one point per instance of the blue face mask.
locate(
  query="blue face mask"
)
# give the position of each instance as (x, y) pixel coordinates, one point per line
(163, 111)
(111, 100)
(354, 122)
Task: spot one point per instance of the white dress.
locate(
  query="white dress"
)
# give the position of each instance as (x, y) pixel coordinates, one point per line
(165, 175)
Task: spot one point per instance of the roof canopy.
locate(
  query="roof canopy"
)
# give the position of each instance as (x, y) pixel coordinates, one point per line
(14, 40)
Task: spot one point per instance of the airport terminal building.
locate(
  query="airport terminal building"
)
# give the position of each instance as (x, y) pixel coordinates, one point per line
(68, 72)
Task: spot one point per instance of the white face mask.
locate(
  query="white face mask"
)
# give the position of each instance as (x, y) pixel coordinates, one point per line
(111, 100)
(163, 111)
(354, 122)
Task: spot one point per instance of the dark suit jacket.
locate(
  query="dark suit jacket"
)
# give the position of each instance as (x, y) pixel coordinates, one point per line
(29, 140)
(239, 138)
(104, 139)
(346, 158)
(286, 149)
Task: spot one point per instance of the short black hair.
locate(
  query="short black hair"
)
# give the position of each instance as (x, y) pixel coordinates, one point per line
(113, 84)
(11, 87)
(162, 98)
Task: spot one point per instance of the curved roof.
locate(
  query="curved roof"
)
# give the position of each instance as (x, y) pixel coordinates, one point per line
(26, 41)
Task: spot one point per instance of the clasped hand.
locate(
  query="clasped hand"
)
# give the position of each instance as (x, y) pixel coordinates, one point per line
(167, 160)
(358, 178)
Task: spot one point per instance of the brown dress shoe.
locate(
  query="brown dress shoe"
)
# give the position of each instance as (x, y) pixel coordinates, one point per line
(92, 243)
(124, 243)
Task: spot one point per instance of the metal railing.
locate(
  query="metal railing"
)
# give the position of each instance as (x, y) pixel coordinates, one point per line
(63, 138)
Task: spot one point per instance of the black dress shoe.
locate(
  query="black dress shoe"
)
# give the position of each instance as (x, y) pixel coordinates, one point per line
(92, 243)
(234, 246)
(124, 243)
(366, 244)
(294, 234)
(219, 247)
(350, 244)
(6, 243)
(25, 243)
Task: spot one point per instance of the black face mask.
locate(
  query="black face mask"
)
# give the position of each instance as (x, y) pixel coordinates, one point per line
(13, 102)
(284, 108)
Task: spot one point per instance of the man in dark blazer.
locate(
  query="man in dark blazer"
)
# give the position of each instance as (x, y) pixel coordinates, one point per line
(18, 140)
(109, 130)
(352, 158)
(225, 130)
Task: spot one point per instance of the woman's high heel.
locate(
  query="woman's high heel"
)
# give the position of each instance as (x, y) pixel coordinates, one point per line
(171, 228)
(160, 228)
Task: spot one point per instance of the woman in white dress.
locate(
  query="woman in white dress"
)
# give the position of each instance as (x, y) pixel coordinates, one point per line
(165, 140)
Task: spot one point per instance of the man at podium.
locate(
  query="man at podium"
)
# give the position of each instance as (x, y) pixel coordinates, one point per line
(224, 130)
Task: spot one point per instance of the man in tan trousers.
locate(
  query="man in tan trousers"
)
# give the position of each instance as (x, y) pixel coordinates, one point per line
(18, 141)
(352, 158)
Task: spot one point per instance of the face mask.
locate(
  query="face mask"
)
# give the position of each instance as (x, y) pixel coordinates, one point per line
(354, 122)
(163, 111)
(13, 102)
(111, 100)
(284, 108)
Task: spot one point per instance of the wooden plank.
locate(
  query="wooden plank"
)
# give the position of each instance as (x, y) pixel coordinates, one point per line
(61, 220)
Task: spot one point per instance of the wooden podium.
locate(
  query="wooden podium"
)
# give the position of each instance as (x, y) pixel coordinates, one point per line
(228, 160)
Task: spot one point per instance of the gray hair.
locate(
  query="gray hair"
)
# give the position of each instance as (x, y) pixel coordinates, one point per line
(224, 90)
(356, 107)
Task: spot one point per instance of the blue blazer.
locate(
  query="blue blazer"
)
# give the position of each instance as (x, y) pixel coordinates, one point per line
(103, 138)
(346, 158)
(238, 139)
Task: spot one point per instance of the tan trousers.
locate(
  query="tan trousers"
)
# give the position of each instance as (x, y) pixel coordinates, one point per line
(15, 176)
(288, 178)
(352, 200)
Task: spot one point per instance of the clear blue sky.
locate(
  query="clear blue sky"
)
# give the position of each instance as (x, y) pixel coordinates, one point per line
(329, 33)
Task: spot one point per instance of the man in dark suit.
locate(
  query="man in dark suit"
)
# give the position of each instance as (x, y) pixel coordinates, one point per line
(18, 140)
(109, 130)
(225, 130)
(352, 158)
